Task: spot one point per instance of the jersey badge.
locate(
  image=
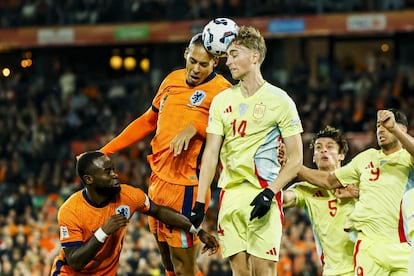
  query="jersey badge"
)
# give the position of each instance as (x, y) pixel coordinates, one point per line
(197, 98)
(64, 232)
(258, 111)
(123, 210)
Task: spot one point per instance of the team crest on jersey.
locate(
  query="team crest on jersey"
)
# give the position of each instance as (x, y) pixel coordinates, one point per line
(197, 98)
(243, 108)
(123, 210)
(64, 232)
(258, 111)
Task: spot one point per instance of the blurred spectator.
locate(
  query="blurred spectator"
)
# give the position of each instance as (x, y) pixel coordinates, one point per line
(42, 130)
(74, 12)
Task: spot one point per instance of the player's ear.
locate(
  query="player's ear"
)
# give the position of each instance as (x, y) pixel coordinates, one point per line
(256, 57)
(186, 53)
(216, 61)
(341, 157)
(87, 179)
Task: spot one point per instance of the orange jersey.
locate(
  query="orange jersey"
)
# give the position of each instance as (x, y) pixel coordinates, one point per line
(175, 106)
(78, 219)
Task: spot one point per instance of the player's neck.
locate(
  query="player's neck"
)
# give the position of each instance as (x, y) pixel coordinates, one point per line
(249, 86)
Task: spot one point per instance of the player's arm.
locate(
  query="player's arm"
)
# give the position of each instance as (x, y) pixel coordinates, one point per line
(208, 171)
(289, 199)
(350, 191)
(319, 178)
(294, 159)
(387, 119)
(79, 256)
(171, 217)
(182, 140)
(135, 131)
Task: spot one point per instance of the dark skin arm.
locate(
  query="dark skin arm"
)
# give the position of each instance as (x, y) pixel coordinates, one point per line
(78, 257)
(175, 219)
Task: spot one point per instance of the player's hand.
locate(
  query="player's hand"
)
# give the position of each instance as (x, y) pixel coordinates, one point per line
(182, 140)
(210, 242)
(197, 214)
(261, 203)
(387, 119)
(113, 223)
(349, 191)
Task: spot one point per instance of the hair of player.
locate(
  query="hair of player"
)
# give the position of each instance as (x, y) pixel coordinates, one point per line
(197, 40)
(251, 38)
(85, 162)
(336, 135)
(400, 117)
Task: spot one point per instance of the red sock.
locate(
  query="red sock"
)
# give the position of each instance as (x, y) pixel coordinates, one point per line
(169, 273)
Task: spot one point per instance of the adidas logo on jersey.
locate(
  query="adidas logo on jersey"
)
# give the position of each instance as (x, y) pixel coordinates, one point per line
(228, 109)
(272, 251)
(318, 194)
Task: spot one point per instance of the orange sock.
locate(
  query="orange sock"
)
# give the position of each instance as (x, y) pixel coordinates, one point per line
(199, 273)
(169, 273)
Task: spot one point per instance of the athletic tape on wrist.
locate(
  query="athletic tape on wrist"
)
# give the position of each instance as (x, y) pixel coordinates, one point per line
(100, 235)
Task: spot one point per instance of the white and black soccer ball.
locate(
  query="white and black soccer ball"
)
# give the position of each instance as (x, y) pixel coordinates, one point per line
(217, 35)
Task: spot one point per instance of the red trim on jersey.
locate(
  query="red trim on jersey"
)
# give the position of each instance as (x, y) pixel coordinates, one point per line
(401, 232)
(358, 243)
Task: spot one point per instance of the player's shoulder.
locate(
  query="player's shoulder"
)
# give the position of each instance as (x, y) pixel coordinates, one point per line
(303, 186)
(220, 78)
(368, 153)
(178, 74)
(74, 198)
(229, 92)
(128, 190)
(72, 203)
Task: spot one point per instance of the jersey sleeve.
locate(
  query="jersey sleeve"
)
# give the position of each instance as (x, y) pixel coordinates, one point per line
(300, 191)
(135, 131)
(71, 233)
(350, 173)
(139, 199)
(290, 123)
(215, 124)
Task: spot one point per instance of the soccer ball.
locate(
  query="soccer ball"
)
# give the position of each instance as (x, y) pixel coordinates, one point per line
(217, 35)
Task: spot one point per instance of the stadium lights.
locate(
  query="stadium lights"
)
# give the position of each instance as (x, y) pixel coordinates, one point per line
(130, 63)
(115, 62)
(6, 72)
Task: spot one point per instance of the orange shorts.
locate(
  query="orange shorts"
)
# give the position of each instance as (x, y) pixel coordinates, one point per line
(178, 197)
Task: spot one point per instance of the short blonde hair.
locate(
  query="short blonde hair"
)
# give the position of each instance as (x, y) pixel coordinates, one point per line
(251, 38)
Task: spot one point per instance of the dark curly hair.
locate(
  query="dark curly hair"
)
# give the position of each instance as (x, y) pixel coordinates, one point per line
(336, 135)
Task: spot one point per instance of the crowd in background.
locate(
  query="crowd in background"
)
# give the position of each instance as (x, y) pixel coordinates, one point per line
(47, 119)
(51, 115)
(73, 12)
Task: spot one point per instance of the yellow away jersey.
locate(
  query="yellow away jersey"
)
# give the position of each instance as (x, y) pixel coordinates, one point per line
(252, 129)
(407, 211)
(382, 180)
(329, 216)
